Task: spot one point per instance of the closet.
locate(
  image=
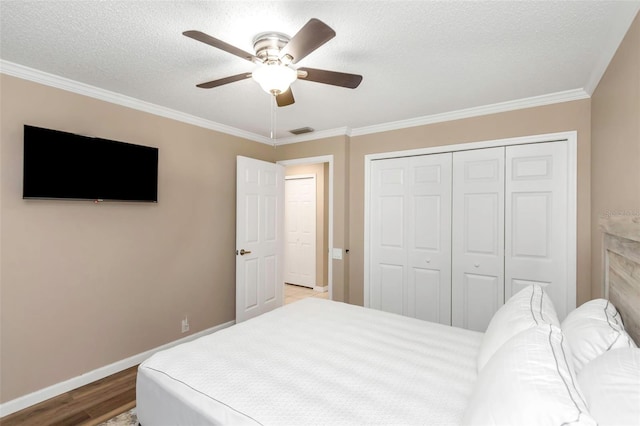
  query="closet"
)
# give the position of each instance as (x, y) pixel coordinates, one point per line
(453, 235)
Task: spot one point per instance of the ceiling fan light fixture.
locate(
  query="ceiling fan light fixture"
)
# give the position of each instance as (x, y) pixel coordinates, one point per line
(274, 78)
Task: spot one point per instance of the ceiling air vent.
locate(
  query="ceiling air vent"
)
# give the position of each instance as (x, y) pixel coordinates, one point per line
(301, 130)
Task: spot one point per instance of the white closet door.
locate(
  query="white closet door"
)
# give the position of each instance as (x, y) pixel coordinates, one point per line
(428, 236)
(477, 237)
(410, 272)
(388, 244)
(300, 231)
(536, 220)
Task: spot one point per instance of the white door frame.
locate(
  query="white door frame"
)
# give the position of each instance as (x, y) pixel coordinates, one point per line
(316, 160)
(572, 168)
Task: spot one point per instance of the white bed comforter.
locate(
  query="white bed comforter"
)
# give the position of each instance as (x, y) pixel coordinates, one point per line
(314, 362)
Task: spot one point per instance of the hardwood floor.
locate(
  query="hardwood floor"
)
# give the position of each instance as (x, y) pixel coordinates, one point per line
(99, 401)
(89, 405)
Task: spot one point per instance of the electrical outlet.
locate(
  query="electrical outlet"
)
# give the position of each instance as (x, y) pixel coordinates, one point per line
(185, 324)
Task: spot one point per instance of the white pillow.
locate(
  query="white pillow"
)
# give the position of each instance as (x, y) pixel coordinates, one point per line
(529, 307)
(592, 329)
(611, 386)
(529, 381)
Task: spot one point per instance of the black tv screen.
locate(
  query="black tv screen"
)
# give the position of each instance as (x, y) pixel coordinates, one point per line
(64, 165)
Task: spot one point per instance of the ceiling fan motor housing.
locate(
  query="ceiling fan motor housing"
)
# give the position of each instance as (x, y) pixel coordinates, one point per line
(268, 45)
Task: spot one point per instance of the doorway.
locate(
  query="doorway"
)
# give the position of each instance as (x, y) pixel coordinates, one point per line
(321, 168)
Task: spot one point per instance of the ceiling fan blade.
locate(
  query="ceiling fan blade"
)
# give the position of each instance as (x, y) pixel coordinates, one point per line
(207, 39)
(314, 34)
(334, 78)
(285, 98)
(226, 80)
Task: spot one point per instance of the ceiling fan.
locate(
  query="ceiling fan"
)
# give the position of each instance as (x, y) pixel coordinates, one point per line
(275, 55)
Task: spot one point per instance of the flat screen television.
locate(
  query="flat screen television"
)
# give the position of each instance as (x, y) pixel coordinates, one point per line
(61, 165)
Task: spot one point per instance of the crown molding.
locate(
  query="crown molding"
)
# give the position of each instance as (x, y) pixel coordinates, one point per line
(535, 101)
(69, 85)
(322, 134)
(52, 80)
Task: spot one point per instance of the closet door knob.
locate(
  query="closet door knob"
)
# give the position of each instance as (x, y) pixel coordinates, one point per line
(428, 260)
(477, 265)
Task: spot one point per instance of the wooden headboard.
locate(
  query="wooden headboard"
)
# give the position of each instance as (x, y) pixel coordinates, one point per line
(621, 248)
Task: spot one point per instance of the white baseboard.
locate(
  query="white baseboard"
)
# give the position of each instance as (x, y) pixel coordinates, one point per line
(321, 289)
(100, 373)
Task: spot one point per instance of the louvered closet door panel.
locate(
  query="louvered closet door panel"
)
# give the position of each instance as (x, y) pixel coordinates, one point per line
(428, 294)
(477, 237)
(388, 244)
(535, 223)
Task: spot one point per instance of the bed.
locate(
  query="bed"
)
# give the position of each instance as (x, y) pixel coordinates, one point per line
(369, 366)
(323, 362)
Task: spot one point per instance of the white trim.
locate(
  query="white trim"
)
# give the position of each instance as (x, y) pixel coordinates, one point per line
(535, 101)
(322, 134)
(547, 137)
(97, 374)
(572, 222)
(531, 102)
(294, 177)
(52, 80)
(69, 85)
(367, 207)
(612, 44)
(572, 173)
(321, 289)
(316, 160)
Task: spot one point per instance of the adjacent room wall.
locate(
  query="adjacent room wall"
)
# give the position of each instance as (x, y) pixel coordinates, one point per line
(615, 127)
(84, 285)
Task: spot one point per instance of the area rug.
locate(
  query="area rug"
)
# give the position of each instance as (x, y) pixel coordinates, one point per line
(128, 418)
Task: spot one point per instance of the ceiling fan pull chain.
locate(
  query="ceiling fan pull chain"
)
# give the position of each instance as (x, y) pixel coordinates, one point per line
(273, 119)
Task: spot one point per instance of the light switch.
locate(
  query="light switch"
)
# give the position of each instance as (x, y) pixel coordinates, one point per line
(337, 253)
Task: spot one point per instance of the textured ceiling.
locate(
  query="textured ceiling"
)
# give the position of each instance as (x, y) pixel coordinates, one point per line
(418, 58)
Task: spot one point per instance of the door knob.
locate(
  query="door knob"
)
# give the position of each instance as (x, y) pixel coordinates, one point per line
(243, 252)
(477, 265)
(428, 260)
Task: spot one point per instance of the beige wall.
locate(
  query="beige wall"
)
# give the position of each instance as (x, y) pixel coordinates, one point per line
(349, 176)
(84, 285)
(322, 207)
(532, 121)
(615, 145)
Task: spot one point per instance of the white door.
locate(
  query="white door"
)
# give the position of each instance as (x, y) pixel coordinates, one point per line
(388, 262)
(536, 221)
(410, 237)
(300, 230)
(429, 238)
(477, 283)
(259, 247)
